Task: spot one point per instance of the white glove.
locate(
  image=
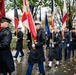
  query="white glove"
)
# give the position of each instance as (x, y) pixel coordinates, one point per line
(33, 45)
(28, 40)
(53, 45)
(67, 45)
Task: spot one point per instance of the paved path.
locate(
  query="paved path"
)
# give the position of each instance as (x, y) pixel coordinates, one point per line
(66, 67)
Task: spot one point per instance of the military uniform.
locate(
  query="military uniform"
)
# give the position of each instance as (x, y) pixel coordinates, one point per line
(29, 40)
(72, 46)
(47, 41)
(19, 43)
(36, 54)
(54, 51)
(6, 59)
(65, 43)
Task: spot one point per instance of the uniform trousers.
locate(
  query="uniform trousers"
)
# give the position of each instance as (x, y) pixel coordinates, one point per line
(30, 67)
(17, 53)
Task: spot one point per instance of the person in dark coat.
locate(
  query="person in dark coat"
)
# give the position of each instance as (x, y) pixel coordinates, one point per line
(36, 55)
(47, 40)
(29, 40)
(65, 42)
(19, 43)
(54, 50)
(6, 59)
(72, 45)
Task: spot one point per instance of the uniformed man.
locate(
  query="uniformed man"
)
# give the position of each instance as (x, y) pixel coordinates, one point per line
(36, 54)
(6, 59)
(19, 43)
(65, 42)
(29, 40)
(54, 50)
(72, 46)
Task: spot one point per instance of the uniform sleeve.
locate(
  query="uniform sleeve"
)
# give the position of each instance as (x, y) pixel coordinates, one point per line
(6, 40)
(20, 36)
(42, 40)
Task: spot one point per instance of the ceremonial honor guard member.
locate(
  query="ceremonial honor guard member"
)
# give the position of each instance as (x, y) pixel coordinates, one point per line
(72, 45)
(65, 42)
(47, 40)
(29, 40)
(54, 50)
(19, 43)
(36, 54)
(6, 59)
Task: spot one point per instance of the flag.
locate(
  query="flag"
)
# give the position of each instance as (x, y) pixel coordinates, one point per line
(16, 19)
(32, 8)
(24, 16)
(29, 18)
(32, 26)
(64, 15)
(52, 21)
(2, 11)
(46, 24)
(35, 13)
(2, 8)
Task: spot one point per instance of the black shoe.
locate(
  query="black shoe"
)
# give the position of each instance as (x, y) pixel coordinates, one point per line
(14, 56)
(49, 67)
(42, 74)
(56, 65)
(21, 55)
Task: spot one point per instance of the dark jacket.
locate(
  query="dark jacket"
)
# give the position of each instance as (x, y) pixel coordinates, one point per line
(6, 59)
(37, 55)
(54, 51)
(19, 43)
(66, 40)
(73, 41)
(29, 40)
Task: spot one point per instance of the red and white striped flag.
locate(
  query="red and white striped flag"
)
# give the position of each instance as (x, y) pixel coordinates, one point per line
(32, 26)
(24, 16)
(65, 16)
(28, 21)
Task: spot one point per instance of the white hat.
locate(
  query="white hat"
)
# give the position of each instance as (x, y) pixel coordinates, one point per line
(37, 22)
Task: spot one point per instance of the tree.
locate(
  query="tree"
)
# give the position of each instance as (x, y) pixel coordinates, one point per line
(47, 3)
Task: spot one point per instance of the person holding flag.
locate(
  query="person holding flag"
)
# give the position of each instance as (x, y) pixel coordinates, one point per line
(36, 54)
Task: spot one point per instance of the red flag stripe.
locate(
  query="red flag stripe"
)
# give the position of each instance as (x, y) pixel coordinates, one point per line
(32, 26)
(2, 8)
(64, 18)
(16, 22)
(2, 11)
(24, 16)
(52, 22)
